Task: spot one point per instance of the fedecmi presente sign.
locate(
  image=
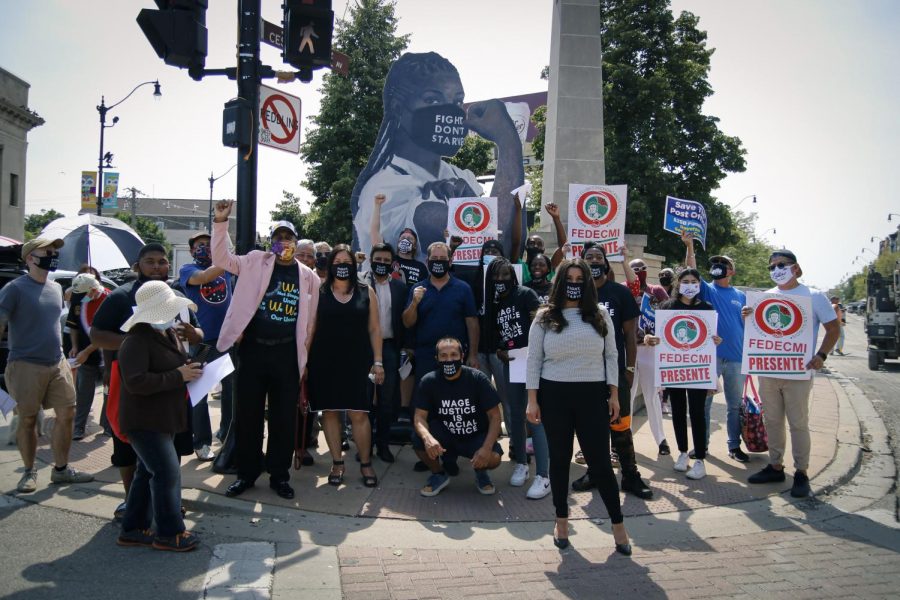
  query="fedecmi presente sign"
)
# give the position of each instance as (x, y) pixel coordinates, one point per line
(279, 120)
(475, 221)
(686, 353)
(778, 336)
(597, 214)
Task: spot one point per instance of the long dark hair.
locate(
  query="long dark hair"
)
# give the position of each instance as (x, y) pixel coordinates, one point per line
(407, 75)
(354, 278)
(676, 288)
(478, 288)
(552, 318)
(489, 324)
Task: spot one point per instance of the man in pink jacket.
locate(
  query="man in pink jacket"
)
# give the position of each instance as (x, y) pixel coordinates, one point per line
(271, 318)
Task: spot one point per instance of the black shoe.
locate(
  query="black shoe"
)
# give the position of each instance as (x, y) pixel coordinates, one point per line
(767, 475)
(451, 467)
(664, 449)
(307, 460)
(800, 489)
(238, 487)
(385, 454)
(420, 467)
(583, 483)
(624, 549)
(738, 455)
(283, 489)
(78, 435)
(637, 486)
(561, 543)
(345, 445)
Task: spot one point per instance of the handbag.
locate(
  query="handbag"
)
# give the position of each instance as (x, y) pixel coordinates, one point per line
(753, 427)
(112, 401)
(300, 426)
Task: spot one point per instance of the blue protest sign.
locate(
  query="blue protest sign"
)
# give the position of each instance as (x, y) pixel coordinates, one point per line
(685, 215)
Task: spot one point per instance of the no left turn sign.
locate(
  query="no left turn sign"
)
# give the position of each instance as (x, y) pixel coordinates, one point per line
(279, 120)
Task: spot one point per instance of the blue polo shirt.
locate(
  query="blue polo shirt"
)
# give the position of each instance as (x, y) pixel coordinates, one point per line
(442, 312)
(728, 302)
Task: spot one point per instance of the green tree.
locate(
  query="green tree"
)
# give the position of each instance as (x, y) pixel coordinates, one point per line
(475, 155)
(535, 174)
(349, 117)
(146, 228)
(750, 254)
(289, 209)
(34, 223)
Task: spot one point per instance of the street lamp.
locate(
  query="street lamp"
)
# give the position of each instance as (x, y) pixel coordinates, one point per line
(868, 250)
(893, 215)
(212, 180)
(103, 109)
(754, 201)
(767, 231)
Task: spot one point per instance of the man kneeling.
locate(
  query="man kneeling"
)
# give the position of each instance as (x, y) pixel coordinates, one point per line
(457, 414)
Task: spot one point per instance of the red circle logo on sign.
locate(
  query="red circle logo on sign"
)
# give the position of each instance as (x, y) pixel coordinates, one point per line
(596, 207)
(686, 332)
(472, 217)
(282, 116)
(778, 317)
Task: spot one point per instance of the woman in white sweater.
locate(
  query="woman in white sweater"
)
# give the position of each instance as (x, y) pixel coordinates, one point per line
(572, 382)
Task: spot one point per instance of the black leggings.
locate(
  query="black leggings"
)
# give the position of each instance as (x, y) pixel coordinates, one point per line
(580, 408)
(681, 400)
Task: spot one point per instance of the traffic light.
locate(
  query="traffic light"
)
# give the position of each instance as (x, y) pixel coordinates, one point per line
(308, 25)
(177, 32)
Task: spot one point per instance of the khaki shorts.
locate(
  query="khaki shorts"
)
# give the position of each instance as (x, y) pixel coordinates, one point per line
(35, 386)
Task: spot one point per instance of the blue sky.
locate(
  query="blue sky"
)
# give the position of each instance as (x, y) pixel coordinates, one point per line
(810, 87)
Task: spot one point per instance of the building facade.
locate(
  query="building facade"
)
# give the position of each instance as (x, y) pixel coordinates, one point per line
(16, 120)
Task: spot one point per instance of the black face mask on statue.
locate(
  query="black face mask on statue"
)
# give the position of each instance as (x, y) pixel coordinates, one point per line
(598, 271)
(718, 271)
(381, 269)
(574, 291)
(341, 272)
(439, 268)
(47, 263)
(451, 368)
(439, 128)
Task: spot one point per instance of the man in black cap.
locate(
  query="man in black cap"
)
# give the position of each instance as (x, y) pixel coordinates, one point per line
(37, 374)
(788, 399)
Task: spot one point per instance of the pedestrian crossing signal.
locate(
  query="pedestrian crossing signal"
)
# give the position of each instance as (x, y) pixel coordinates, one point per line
(308, 26)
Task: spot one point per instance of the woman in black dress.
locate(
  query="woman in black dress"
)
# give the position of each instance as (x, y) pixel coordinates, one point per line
(344, 356)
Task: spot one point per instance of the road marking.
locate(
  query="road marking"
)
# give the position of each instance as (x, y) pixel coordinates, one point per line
(244, 570)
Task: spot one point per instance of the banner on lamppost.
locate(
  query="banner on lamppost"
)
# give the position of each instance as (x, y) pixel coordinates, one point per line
(110, 190)
(686, 353)
(475, 221)
(685, 215)
(778, 336)
(89, 190)
(597, 214)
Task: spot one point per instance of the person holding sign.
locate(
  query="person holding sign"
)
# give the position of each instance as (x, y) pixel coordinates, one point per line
(508, 314)
(789, 398)
(573, 388)
(685, 399)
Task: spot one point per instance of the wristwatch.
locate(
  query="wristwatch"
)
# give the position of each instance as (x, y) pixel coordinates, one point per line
(822, 355)
(629, 369)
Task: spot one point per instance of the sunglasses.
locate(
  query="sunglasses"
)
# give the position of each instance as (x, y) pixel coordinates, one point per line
(780, 265)
(639, 269)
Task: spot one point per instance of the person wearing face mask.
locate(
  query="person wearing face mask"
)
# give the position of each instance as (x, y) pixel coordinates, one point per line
(685, 399)
(306, 252)
(507, 318)
(423, 91)
(788, 399)
(323, 249)
(623, 311)
(728, 302)
(345, 353)
(412, 270)
(106, 333)
(456, 414)
(572, 379)
(272, 313)
(87, 296)
(666, 280)
(37, 374)
(541, 277)
(209, 288)
(154, 371)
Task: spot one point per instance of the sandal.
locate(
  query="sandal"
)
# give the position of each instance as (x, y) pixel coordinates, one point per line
(370, 481)
(336, 478)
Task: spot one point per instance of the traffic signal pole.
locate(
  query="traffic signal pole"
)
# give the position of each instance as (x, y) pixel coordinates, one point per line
(248, 80)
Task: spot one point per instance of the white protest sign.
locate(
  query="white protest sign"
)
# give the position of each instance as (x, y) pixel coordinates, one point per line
(597, 214)
(686, 353)
(475, 221)
(778, 336)
(518, 363)
(213, 373)
(279, 120)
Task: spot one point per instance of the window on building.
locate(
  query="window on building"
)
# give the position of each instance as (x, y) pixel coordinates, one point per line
(13, 189)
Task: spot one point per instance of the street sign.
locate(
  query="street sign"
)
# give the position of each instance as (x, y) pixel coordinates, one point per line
(273, 35)
(279, 120)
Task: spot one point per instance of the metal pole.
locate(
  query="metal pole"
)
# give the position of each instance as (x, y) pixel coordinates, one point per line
(209, 220)
(248, 88)
(102, 110)
(134, 207)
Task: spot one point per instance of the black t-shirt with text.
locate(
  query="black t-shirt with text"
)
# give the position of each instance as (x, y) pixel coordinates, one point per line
(514, 316)
(458, 407)
(276, 316)
(542, 289)
(413, 270)
(621, 306)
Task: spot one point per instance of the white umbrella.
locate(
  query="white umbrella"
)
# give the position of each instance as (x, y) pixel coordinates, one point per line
(103, 242)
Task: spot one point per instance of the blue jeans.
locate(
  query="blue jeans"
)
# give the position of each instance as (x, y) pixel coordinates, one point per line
(493, 367)
(155, 493)
(518, 402)
(85, 387)
(733, 384)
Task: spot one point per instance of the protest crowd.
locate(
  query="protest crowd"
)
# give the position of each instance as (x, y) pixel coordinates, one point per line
(547, 349)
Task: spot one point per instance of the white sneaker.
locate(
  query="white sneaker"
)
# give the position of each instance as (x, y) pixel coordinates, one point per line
(28, 482)
(204, 453)
(519, 476)
(682, 462)
(698, 471)
(540, 487)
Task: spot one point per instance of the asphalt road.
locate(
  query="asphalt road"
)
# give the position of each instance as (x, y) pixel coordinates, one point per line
(882, 387)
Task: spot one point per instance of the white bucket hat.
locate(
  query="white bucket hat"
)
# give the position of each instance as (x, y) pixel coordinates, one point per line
(156, 304)
(85, 282)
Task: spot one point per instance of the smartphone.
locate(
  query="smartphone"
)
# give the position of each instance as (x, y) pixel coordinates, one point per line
(201, 352)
